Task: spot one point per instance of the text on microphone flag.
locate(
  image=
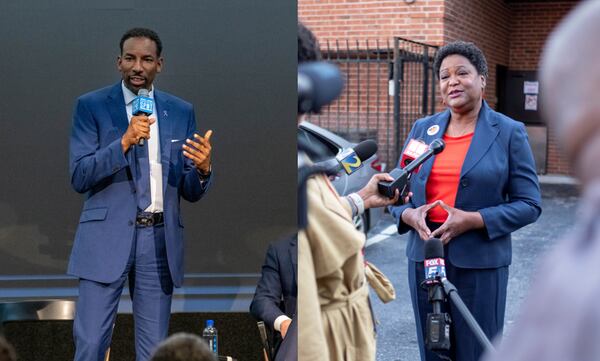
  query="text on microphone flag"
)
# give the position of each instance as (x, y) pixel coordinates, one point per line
(350, 161)
(415, 148)
(435, 262)
(143, 104)
(351, 164)
(435, 267)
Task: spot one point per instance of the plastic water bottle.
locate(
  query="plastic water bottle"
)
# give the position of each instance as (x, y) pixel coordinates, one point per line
(210, 335)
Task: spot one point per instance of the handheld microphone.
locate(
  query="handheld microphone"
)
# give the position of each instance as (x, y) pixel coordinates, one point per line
(142, 104)
(437, 330)
(402, 175)
(435, 266)
(349, 160)
(319, 83)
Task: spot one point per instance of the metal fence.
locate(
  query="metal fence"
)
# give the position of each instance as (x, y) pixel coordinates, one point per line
(389, 84)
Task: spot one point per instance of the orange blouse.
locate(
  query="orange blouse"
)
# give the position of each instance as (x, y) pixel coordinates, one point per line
(445, 175)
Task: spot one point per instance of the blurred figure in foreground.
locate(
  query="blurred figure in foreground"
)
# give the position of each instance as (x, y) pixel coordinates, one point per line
(7, 352)
(335, 321)
(560, 319)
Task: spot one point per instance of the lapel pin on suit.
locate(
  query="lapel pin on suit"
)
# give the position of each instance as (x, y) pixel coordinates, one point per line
(433, 130)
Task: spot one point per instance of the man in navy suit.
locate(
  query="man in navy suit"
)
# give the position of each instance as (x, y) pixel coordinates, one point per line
(130, 226)
(277, 290)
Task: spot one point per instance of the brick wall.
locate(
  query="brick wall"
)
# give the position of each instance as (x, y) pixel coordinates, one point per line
(509, 34)
(368, 19)
(485, 23)
(530, 25)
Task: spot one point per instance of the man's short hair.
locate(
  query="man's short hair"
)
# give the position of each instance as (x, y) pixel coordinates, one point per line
(183, 347)
(7, 352)
(142, 33)
(308, 46)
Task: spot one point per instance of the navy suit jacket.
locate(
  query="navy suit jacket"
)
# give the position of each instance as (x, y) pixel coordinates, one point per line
(497, 179)
(100, 170)
(277, 289)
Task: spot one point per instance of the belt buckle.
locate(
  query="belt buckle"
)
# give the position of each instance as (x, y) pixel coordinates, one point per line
(145, 221)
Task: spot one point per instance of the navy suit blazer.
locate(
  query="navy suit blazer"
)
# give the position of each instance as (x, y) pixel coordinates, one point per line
(277, 289)
(497, 179)
(100, 170)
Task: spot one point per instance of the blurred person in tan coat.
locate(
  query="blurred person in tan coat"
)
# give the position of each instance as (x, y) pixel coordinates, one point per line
(335, 321)
(7, 352)
(560, 319)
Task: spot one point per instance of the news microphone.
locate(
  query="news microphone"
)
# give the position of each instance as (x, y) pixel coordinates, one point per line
(437, 329)
(402, 175)
(142, 105)
(319, 83)
(435, 266)
(349, 160)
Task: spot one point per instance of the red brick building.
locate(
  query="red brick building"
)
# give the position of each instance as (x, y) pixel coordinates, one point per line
(511, 34)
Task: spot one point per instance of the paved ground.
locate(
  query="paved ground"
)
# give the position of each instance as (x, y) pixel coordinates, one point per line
(396, 338)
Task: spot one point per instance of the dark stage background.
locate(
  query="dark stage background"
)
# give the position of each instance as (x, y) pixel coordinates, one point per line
(234, 60)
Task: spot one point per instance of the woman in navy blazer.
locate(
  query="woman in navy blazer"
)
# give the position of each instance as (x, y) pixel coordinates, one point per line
(497, 193)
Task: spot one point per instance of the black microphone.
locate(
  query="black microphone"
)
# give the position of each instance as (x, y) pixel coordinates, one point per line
(402, 175)
(319, 83)
(435, 266)
(437, 328)
(142, 104)
(349, 160)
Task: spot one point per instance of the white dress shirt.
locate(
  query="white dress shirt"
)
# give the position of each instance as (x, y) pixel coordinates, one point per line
(154, 156)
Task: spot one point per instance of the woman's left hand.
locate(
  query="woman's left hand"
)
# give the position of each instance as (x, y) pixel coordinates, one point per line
(458, 222)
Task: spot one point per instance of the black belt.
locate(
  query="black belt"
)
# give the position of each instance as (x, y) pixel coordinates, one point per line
(149, 219)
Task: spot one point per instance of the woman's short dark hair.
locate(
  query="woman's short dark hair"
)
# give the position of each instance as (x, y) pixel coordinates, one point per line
(466, 49)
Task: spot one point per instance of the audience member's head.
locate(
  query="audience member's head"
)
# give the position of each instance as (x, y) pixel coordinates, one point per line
(570, 84)
(7, 352)
(183, 347)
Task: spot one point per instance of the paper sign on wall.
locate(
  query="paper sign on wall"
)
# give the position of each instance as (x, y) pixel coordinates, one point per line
(531, 87)
(531, 102)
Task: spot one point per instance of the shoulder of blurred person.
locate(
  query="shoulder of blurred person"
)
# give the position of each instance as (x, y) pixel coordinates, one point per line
(183, 347)
(560, 319)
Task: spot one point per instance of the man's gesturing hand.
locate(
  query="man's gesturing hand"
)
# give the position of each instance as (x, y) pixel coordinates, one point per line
(199, 151)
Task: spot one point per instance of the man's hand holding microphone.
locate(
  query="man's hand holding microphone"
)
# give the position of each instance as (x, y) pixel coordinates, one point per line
(197, 149)
(139, 128)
